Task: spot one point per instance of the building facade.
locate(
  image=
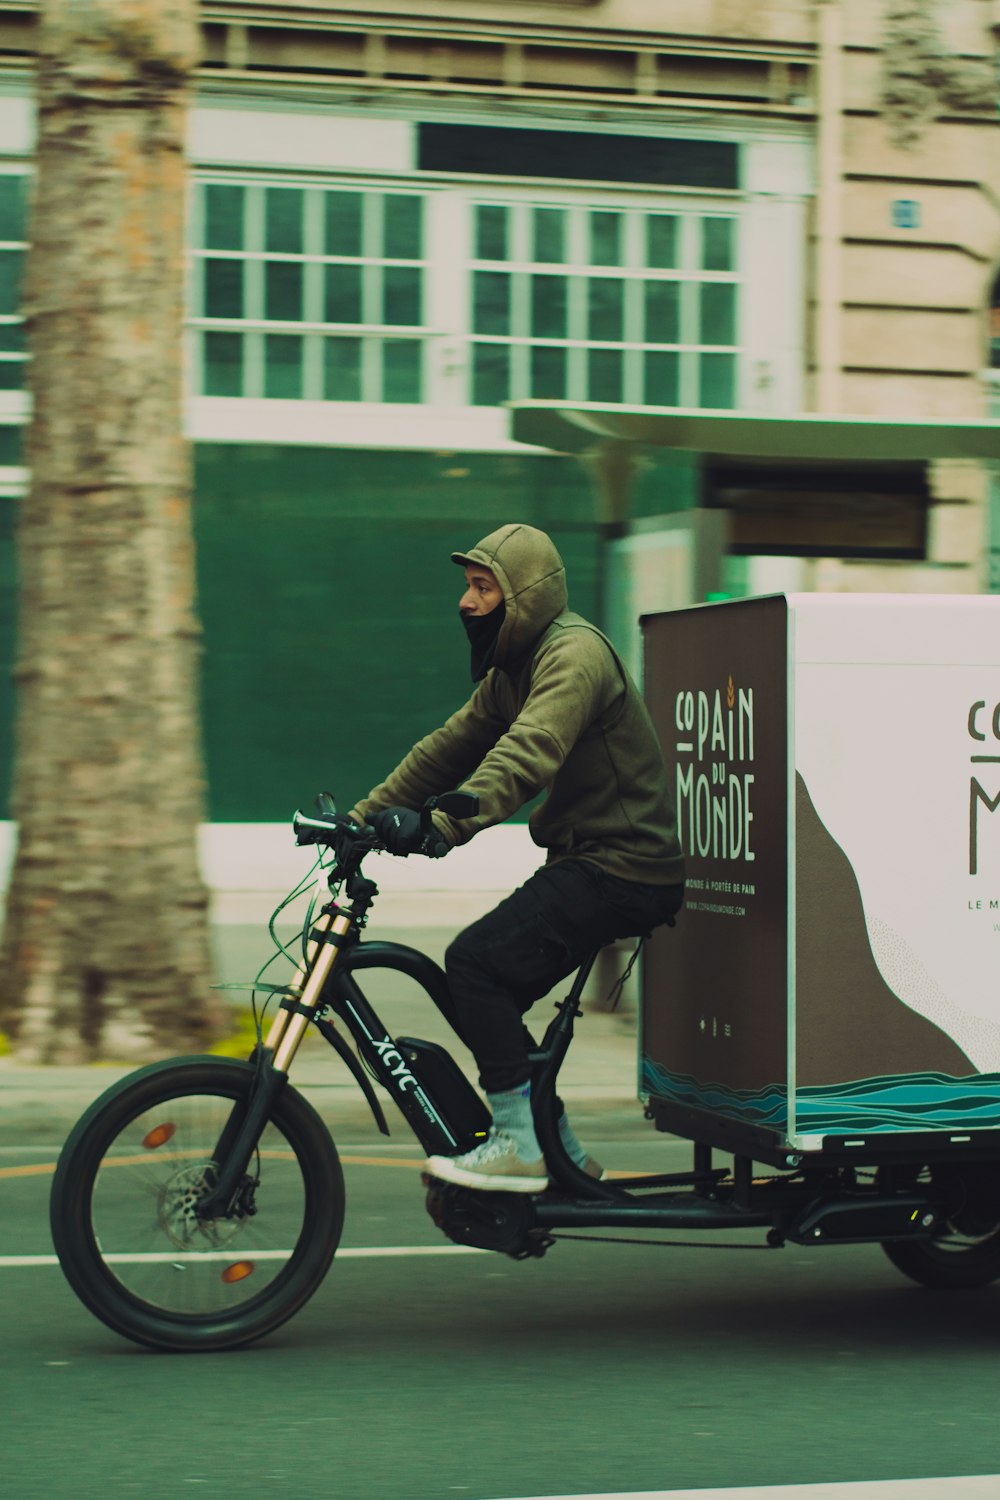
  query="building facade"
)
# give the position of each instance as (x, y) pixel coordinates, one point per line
(404, 215)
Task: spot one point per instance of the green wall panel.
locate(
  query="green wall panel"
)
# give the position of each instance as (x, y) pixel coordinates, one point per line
(666, 481)
(329, 603)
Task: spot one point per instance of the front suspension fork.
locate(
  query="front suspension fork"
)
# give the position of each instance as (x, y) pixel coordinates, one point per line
(334, 930)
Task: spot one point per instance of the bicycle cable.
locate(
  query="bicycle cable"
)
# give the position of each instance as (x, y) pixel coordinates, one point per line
(280, 951)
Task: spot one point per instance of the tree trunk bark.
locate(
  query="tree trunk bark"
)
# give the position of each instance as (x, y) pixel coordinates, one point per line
(105, 950)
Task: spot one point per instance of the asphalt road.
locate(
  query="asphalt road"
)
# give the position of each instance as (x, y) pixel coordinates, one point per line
(600, 1368)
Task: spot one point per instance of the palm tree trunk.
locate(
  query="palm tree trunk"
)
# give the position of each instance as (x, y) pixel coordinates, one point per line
(105, 950)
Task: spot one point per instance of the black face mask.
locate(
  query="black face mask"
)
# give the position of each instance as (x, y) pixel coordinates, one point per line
(483, 631)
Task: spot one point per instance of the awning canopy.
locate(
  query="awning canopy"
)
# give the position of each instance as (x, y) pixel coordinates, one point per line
(578, 427)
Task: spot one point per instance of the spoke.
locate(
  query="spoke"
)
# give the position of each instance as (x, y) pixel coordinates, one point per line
(143, 1211)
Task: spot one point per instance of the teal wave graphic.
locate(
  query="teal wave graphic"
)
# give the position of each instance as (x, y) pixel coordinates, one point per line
(861, 1106)
(767, 1106)
(904, 1101)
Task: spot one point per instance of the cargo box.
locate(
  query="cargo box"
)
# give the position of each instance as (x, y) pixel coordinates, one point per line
(832, 981)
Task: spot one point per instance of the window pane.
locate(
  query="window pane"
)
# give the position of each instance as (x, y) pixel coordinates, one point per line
(403, 236)
(718, 380)
(11, 374)
(223, 288)
(491, 302)
(662, 379)
(283, 291)
(492, 222)
(717, 244)
(604, 375)
(548, 372)
(283, 366)
(661, 242)
(549, 234)
(11, 266)
(606, 239)
(548, 306)
(401, 290)
(12, 338)
(342, 363)
(223, 216)
(401, 370)
(343, 223)
(343, 294)
(283, 219)
(718, 313)
(490, 374)
(606, 309)
(13, 192)
(663, 324)
(10, 446)
(223, 364)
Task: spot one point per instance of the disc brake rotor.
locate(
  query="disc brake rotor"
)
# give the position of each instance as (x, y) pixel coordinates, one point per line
(178, 1202)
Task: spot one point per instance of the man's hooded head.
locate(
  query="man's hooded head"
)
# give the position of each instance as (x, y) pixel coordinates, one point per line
(532, 578)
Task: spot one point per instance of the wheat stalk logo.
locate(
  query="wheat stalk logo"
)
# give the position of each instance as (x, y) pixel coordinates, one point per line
(730, 691)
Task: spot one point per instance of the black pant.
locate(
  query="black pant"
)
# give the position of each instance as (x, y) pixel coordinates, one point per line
(502, 964)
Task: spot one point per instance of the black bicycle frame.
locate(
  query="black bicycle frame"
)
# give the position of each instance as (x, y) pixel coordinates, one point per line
(440, 1105)
(448, 1117)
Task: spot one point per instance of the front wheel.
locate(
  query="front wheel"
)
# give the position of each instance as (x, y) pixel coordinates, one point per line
(124, 1209)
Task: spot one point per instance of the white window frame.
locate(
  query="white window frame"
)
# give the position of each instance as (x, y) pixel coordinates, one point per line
(768, 271)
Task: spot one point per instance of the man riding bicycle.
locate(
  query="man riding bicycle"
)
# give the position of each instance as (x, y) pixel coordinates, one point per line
(553, 710)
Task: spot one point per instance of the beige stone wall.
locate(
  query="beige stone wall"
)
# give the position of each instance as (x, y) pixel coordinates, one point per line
(917, 122)
(779, 20)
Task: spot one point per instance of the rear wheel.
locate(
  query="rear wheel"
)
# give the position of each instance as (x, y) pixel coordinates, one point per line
(125, 1221)
(967, 1253)
(948, 1264)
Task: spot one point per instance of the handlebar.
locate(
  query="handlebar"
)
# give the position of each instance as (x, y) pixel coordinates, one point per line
(345, 838)
(331, 829)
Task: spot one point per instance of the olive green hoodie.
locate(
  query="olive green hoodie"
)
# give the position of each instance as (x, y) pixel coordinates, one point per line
(557, 713)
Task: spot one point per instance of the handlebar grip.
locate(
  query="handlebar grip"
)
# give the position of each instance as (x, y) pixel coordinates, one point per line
(325, 804)
(434, 846)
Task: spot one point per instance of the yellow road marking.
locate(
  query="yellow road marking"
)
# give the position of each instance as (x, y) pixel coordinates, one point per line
(45, 1169)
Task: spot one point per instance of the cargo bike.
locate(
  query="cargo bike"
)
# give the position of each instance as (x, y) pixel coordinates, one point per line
(199, 1202)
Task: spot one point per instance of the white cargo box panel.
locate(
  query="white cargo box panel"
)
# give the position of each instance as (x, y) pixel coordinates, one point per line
(832, 978)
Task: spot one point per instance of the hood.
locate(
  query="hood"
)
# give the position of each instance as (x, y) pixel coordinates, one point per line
(530, 571)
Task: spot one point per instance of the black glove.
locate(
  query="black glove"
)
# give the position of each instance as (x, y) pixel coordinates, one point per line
(398, 829)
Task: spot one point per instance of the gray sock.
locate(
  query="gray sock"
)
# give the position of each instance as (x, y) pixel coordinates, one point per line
(571, 1145)
(512, 1114)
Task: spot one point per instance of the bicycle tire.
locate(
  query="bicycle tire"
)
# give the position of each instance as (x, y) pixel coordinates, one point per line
(117, 1189)
(948, 1265)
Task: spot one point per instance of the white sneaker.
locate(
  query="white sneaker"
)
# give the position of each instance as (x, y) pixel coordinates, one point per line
(493, 1167)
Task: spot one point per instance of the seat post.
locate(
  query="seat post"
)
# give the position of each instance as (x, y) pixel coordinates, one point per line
(544, 1102)
(559, 1032)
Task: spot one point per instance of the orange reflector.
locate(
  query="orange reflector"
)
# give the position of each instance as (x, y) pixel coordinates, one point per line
(159, 1136)
(238, 1271)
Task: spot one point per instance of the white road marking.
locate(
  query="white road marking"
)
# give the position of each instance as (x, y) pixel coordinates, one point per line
(169, 1258)
(975, 1487)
